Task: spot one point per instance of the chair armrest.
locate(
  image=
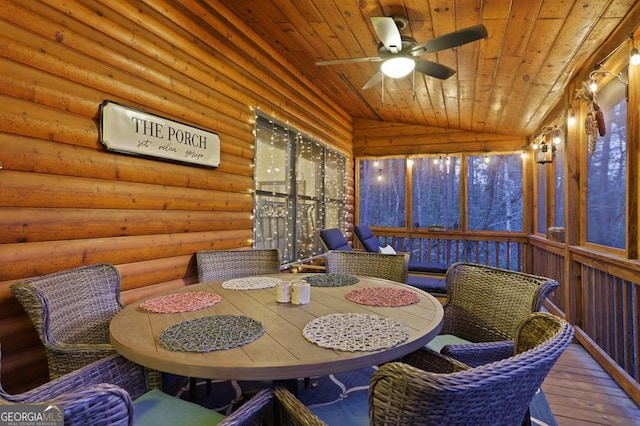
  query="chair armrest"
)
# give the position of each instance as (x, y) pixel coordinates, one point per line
(476, 354)
(252, 411)
(115, 370)
(97, 404)
(292, 412)
(434, 362)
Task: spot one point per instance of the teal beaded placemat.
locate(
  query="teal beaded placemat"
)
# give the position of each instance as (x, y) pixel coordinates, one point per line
(211, 333)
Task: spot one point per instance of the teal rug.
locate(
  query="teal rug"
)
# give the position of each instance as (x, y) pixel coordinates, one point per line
(321, 395)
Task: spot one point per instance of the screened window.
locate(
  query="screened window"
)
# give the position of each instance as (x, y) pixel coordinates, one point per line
(299, 190)
(607, 169)
(495, 200)
(541, 191)
(436, 192)
(558, 165)
(494, 192)
(382, 192)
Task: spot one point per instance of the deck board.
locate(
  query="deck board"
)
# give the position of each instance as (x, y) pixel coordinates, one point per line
(580, 392)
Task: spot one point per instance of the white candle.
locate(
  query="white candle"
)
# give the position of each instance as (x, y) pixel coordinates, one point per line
(300, 292)
(283, 292)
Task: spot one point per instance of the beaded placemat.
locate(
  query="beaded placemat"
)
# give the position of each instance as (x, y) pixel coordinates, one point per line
(330, 280)
(211, 333)
(355, 332)
(250, 283)
(180, 302)
(382, 296)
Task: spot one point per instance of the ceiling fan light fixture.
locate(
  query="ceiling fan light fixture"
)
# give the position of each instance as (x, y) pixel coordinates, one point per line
(398, 67)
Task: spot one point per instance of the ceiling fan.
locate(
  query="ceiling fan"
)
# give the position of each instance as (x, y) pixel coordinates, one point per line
(399, 54)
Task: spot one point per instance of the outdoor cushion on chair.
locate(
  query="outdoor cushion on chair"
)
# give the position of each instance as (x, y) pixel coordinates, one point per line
(333, 239)
(101, 393)
(370, 243)
(484, 305)
(157, 408)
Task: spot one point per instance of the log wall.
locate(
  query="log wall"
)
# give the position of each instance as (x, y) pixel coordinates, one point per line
(65, 201)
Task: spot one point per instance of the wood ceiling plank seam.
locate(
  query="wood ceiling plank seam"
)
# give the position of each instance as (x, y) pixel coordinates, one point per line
(579, 25)
(468, 57)
(443, 20)
(526, 90)
(311, 91)
(517, 36)
(358, 37)
(489, 69)
(252, 49)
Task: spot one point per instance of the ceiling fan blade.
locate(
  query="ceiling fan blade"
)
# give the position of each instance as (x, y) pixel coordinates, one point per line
(377, 77)
(388, 33)
(447, 41)
(349, 60)
(434, 69)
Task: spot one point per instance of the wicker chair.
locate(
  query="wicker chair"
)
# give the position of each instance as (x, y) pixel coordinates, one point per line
(387, 266)
(225, 264)
(486, 304)
(452, 393)
(71, 311)
(101, 393)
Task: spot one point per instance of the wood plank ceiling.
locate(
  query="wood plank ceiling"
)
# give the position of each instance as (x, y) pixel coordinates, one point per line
(506, 83)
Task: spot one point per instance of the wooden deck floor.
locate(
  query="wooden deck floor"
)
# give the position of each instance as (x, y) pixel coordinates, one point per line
(580, 392)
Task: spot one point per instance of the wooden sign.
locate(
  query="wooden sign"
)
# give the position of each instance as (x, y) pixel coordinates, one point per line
(136, 132)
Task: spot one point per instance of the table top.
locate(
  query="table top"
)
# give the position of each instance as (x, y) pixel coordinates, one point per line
(282, 352)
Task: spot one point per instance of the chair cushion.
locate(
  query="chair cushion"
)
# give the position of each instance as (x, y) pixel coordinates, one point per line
(387, 249)
(428, 267)
(428, 284)
(157, 408)
(334, 239)
(367, 239)
(352, 411)
(445, 339)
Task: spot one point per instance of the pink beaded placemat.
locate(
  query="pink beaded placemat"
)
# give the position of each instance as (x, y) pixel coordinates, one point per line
(383, 296)
(180, 302)
(353, 332)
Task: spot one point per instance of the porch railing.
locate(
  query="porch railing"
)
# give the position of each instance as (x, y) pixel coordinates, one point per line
(599, 294)
(505, 251)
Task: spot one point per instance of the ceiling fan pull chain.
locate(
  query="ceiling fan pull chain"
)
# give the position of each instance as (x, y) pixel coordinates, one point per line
(413, 84)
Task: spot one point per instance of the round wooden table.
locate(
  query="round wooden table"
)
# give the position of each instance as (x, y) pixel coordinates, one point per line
(282, 352)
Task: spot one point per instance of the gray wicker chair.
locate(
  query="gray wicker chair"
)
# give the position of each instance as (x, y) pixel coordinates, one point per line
(486, 304)
(101, 393)
(387, 266)
(452, 393)
(71, 311)
(225, 264)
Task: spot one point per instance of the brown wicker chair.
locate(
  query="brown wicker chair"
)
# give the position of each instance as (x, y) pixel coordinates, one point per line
(387, 266)
(101, 393)
(452, 393)
(486, 304)
(225, 264)
(71, 311)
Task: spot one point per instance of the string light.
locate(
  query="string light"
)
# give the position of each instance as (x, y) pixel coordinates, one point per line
(634, 56)
(572, 116)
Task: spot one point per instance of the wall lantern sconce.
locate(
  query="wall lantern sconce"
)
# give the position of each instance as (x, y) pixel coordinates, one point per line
(546, 152)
